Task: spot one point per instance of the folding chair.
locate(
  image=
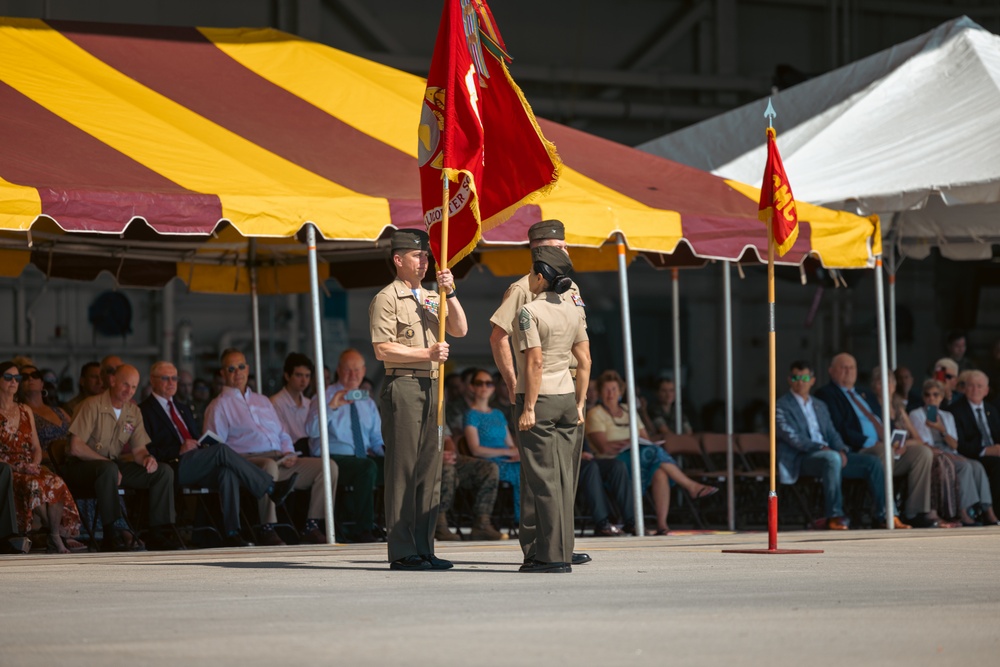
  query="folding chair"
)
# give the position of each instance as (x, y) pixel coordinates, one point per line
(686, 448)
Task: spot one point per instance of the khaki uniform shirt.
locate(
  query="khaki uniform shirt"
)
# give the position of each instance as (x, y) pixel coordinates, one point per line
(555, 325)
(506, 317)
(396, 316)
(95, 423)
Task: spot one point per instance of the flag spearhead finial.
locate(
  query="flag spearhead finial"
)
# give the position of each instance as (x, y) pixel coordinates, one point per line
(769, 113)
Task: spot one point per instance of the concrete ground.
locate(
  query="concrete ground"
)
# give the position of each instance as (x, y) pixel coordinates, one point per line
(917, 597)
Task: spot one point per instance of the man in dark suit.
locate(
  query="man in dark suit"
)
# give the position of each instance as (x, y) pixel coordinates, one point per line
(978, 426)
(861, 430)
(808, 444)
(173, 433)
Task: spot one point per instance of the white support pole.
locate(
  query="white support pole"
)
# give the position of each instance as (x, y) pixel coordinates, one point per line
(169, 325)
(883, 360)
(324, 433)
(891, 269)
(633, 415)
(676, 299)
(727, 289)
(255, 310)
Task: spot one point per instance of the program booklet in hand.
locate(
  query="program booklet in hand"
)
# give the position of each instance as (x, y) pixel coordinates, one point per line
(209, 438)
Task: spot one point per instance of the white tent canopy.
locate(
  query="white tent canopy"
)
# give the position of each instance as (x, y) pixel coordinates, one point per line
(911, 133)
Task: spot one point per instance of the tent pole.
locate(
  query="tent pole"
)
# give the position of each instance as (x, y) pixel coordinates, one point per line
(727, 306)
(255, 310)
(891, 267)
(324, 436)
(676, 299)
(883, 360)
(633, 415)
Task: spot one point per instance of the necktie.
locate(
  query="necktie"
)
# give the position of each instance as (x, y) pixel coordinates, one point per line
(984, 427)
(179, 423)
(359, 441)
(867, 413)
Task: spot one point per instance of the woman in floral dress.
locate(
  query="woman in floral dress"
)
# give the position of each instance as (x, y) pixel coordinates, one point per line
(34, 486)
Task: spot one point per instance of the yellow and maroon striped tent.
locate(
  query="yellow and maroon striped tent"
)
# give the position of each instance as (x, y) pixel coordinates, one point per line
(154, 152)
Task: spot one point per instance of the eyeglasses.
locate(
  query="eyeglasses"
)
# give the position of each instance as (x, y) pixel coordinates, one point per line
(482, 383)
(167, 378)
(8, 377)
(932, 393)
(801, 378)
(35, 375)
(233, 369)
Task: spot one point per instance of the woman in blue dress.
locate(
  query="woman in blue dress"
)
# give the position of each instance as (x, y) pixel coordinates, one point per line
(487, 436)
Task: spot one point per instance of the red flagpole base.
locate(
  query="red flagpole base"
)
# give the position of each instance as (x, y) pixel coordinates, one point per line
(772, 534)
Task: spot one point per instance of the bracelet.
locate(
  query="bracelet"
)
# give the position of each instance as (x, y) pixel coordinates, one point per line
(451, 295)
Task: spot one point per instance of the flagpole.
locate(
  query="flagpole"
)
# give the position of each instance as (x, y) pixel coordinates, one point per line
(443, 301)
(769, 206)
(772, 496)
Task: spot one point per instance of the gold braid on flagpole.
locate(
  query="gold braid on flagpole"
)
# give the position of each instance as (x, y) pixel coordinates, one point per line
(442, 307)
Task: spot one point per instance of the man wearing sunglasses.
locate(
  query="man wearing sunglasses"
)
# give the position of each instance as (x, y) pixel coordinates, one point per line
(946, 372)
(247, 422)
(174, 440)
(809, 445)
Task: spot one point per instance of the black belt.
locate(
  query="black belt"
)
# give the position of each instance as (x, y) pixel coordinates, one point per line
(411, 372)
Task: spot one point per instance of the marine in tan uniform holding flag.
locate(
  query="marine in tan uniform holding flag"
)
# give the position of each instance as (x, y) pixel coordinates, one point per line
(404, 324)
(547, 233)
(550, 332)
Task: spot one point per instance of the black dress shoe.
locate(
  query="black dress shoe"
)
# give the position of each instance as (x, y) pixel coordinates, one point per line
(235, 540)
(532, 565)
(437, 563)
(279, 494)
(163, 541)
(412, 563)
(607, 529)
(921, 521)
(580, 559)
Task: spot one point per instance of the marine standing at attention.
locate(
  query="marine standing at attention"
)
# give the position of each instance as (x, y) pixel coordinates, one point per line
(547, 233)
(552, 331)
(404, 326)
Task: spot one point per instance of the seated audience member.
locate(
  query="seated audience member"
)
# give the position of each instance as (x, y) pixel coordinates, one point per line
(808, 444)
(455, 409)
(487, 435)
(107, 449)
(291, 403)
(906, 388)
(247, 422)
(11, 541)
(602, 480)
(946, 372)
(941, 434)
(607, 430)
(90, 385)
(109, 365)
(201, 396)
(478, 476)
(355, 440)
(944, 484)
(978, 426)
(35, 487)
(51, 422)
(956, 345)
(501, 402)
(50, 388)
(662, 414)
(861, 429)
(174, 440)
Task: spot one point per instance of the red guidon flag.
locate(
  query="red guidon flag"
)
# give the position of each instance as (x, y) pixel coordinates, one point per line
(776, 200)
(477, 130)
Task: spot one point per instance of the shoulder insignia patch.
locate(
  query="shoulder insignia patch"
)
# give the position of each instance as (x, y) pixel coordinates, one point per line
(524, 320)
